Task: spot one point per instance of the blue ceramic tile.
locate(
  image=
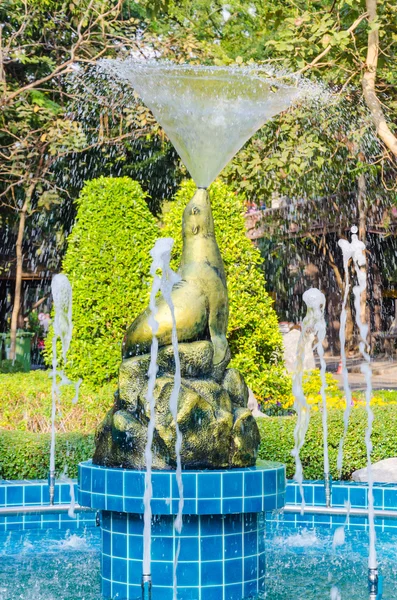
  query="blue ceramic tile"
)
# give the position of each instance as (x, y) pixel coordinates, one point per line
(189, 486)
(161, 483)
(161, 527)
(209, 486)
(281, 480)
(161, 507)
(163, 549)
(189, 507)
(209, 507)
(186, 593)
(390, 498)
(119, 545)
(135, 592)
(14, 495)
(250, 589)
(233, 571)
(211, 548)
(378, 497)
(135, 525)
(133, 505)
(269, 482)
(211, 593)
(135, 546)
(118, 522)
(232, 505)
(2, 495)
(188, 573)
(85, 478)
(358, 497)
(119, 569)
(251, 568)
(309, 494)
(232, 485)
(250, 522)
(319, 495)
(253, 483)
(280, 501)
(233, 592)
(233, 523)
(211, 525)
(114, 482)
(134, 484)
(135, 572)
(261, 565)
(211, 574)
(162, 573)
(189, 548)
(99, 482)
(33, 494)
(98, 501)
(254, 504)
(119, 591)
(290, 496)
(340, 495)
(233, 546)
(114, 503)
(106, 588)
(250, 543)
(106, 542)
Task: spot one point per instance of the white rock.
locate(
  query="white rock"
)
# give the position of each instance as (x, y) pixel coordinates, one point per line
(384, 471)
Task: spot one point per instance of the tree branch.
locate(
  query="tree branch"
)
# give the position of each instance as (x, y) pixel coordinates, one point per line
(326, 50)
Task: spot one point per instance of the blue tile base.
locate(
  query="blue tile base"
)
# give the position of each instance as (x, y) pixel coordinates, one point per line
(221, 557)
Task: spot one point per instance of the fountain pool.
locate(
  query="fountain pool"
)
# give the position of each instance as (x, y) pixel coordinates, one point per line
(301, 563)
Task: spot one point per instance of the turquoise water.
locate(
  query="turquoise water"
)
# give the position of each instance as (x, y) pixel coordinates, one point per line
(301, 565)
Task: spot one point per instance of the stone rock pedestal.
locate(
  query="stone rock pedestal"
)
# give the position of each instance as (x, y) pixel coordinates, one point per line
(222, 543)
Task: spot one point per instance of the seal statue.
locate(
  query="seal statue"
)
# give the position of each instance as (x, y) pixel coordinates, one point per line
(200, 298)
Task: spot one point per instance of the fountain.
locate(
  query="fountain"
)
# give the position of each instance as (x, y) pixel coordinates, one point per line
(142, 465)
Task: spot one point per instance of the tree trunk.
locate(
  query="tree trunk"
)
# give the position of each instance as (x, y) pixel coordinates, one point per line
(341, 285)
(18, 274)
(369, 80)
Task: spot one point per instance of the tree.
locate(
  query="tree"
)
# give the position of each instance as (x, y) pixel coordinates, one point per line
(42, 42)
(107, 262)
(253, 335)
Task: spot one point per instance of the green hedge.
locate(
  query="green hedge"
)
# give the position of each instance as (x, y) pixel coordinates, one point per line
(25, 455)
(277, 435)
(108, 263)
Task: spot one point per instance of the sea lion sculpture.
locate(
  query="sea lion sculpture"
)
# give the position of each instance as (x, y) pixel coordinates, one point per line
(217, 428)
(200, 298)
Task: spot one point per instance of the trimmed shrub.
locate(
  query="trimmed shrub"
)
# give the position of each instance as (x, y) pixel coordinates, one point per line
(107, 262)
(254, 338)
(26, 455)
(277, 435)
(25, 404)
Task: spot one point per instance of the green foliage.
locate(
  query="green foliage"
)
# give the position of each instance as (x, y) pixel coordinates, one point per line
(107, 262)
(26, 401)
(277, 435)
(26, 455)
(11, 366)
(254, 339)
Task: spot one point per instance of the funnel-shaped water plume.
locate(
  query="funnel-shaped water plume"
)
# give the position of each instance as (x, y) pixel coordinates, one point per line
(207, 112)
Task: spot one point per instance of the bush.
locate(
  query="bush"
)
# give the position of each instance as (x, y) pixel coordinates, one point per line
(107, 262)
(254, 338)
(26, 455)
(277, 435)
(11, 366)
(25, 404)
